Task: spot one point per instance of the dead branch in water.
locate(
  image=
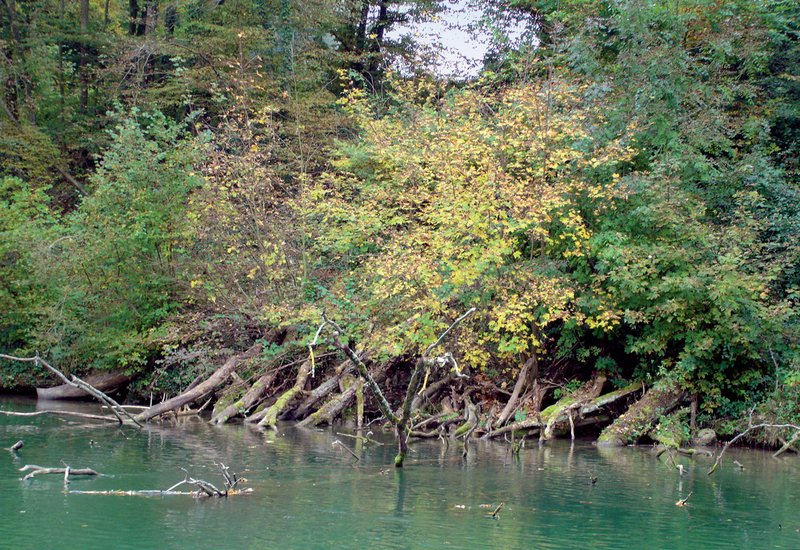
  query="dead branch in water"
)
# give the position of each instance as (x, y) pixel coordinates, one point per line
(63, 413)
(34, 471)
(78, 383)
(204, 488)
(744, 433)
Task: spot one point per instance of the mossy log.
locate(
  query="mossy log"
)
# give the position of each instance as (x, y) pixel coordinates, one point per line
(557, 411)
(639, 419)
(323, 390)
(272, 413)
(253, 396)
(567, 406)
(334, 407)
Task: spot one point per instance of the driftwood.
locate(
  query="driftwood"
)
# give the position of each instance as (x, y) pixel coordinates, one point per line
(16, 446)
(104, 382)
(34, 471)
(201, 390)
(204, 488)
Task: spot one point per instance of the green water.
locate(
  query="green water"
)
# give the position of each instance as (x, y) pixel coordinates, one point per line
(310, 493)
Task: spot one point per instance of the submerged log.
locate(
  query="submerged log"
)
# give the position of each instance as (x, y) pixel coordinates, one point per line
(105, 382)
(641, 416)
(206, 387)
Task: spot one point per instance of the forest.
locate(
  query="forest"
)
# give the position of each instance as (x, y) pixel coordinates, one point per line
(284, 210)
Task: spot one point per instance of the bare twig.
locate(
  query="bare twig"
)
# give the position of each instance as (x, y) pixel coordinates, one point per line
(750, 428)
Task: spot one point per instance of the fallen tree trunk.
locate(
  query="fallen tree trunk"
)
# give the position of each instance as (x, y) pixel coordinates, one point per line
(270, 414)
(253, 396)
(323, 390)
(545, 416)
(567, 406)
(334, 407)
(206, 387)
(641, 416)
(521, 381)
(104, 382)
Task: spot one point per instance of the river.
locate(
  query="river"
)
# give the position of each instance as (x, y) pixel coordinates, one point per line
(309, 492)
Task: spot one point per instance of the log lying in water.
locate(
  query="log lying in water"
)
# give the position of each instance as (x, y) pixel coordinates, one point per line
(641, 416)
(105, 382)
(206, 387)
(559, 413)
(253, 395)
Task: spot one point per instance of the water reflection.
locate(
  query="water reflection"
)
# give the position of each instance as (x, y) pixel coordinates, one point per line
(310, 493)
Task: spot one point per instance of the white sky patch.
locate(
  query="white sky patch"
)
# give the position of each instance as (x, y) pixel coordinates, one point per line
(457, 41)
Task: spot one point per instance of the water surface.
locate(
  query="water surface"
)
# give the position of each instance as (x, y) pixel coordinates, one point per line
(310, 493)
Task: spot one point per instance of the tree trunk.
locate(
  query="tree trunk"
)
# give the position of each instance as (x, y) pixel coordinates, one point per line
(83, 59)
(270, 415)
(219, 376)
(521, 381)
(638, 419)
(253, 395)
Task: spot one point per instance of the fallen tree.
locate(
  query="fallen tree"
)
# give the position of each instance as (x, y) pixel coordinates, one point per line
(76, 382)
(641, 416)
(200, 390)
(560, 411)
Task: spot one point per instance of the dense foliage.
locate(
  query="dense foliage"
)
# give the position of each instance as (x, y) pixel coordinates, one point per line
(181, 178)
